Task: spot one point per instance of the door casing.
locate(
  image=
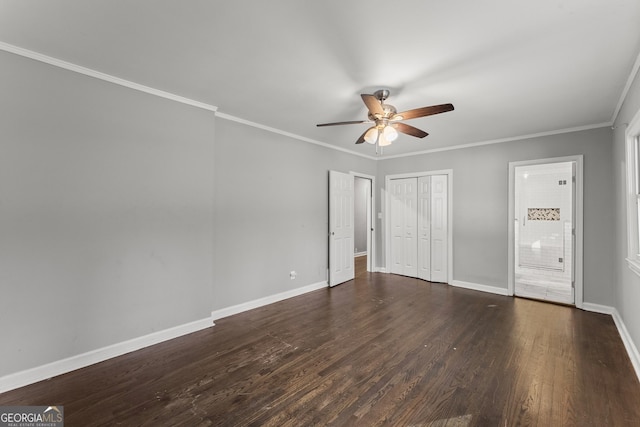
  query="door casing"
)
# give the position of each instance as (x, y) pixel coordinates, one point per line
(371, 228)
(578, 226)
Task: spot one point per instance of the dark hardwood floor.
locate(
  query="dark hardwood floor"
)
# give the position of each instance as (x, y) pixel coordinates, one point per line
(379, 350)
(360, 267)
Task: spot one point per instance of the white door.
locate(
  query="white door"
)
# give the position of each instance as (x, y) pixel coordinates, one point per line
(404, 246)
(544, 198)
(424, 228)
(439, 215)
(341, 229)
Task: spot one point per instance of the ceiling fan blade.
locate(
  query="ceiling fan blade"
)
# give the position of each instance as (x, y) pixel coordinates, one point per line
(410, 130)
(372, 104)
(353, 122)
(424, 111)
(361, 139)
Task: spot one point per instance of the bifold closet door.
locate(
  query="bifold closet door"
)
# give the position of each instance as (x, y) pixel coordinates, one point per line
(439, 226)
(419, 244)
(404, 246)
(424, 228)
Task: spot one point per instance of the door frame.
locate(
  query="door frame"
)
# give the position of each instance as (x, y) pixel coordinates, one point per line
(371, 229)
(387, 217)
(578, 226)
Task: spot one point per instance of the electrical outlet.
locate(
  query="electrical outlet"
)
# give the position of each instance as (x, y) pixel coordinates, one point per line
(293, 274)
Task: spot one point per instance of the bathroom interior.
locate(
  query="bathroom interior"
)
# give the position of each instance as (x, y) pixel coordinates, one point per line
(544, 218)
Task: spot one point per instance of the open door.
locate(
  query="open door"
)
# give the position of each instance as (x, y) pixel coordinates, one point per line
(341, 228)
(544, 222)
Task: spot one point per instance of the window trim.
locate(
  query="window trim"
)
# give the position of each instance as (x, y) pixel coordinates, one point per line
(632, 138)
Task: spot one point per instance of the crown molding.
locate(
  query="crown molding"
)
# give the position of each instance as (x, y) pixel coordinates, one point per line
(627, 86)
(177, 98)
(290, 135)
(102, 76)
(502, 140)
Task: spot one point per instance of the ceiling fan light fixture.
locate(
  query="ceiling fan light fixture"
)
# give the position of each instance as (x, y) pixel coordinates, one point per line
(388, 121)
(390, 134)
(383, 141)
(372, 135)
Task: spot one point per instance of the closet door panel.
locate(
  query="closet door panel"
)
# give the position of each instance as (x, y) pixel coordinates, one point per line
(439, 246)
(404, 249)
(424, 228)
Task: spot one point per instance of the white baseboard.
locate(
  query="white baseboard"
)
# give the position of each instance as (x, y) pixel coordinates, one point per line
(236, 309)
(598, 308)
(59, 367)
(629, 345)
(359, 254)
(632, 350)
(479, 287)
(380, 270)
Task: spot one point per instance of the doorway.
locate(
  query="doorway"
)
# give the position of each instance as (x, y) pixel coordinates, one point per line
(545, 217)
(363, 192)
(343, 223)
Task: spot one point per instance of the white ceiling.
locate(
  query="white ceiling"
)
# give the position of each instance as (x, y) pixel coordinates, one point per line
(510, 67)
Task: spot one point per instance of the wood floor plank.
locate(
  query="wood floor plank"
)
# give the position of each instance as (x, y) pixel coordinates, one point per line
(379, 350)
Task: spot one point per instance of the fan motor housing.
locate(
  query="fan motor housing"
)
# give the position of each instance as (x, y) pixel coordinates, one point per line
(388, 112)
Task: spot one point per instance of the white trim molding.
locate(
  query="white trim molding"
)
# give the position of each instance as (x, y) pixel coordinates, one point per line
(260, 302)
(629, 345)
(478, 287)
(142, 88)
(371, 222)
(598, 308)
(633, 266)
(578, 160)
(102, 76)
(632, 166)
(290, 135)
(502, 140)
(627, 86)
(59, 367)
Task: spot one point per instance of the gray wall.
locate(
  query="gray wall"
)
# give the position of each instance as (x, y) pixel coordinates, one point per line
(111, 225)
(627, 282)
(271, 211)
(480, 199)
(123, 214)
(105, 213)
(361, 190)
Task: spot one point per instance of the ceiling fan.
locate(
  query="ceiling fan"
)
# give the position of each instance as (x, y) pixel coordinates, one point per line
(387, 121)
